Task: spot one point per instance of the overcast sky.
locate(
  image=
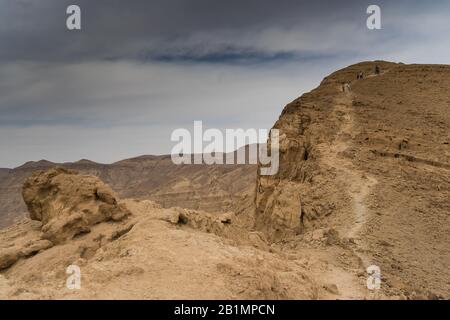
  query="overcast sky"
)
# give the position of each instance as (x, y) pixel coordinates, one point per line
(139, 69)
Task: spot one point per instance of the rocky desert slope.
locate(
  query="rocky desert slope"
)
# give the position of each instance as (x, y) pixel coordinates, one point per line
(214, 188)
(371, 161)
(364, 180)
(135, 249)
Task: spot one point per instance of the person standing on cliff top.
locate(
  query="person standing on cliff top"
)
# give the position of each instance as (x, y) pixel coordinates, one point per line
(377, 70)
(346, 87)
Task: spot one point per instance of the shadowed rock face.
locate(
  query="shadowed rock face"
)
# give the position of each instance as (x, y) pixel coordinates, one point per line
(11, 255)
(68, 203)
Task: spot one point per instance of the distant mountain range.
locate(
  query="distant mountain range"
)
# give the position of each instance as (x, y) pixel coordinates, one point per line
(217, 188)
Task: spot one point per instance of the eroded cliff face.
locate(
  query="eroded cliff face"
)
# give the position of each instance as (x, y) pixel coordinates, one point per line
(303, 191)
(368, 162)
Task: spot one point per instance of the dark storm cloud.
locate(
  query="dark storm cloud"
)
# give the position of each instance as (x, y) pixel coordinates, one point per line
(233, 55)
(35, 30)
(197, 30)
(115, 29)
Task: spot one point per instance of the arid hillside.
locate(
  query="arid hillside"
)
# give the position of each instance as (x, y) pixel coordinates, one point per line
(369, 158)
(214, 188)
(364, 180)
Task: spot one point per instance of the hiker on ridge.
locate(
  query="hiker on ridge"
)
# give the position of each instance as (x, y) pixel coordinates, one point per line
(377, 70)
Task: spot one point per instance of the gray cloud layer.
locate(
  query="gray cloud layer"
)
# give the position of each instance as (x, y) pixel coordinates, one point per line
(139, 69)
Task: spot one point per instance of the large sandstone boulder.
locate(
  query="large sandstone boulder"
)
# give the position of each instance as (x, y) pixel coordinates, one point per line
(68, 203)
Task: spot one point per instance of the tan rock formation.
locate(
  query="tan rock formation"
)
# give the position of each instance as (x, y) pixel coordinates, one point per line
(68, 203)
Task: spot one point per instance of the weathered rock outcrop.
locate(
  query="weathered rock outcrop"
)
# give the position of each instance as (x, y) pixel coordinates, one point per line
(172, 251)
(297, 196)
(9, 256)
(68, 203)
(369, 159)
